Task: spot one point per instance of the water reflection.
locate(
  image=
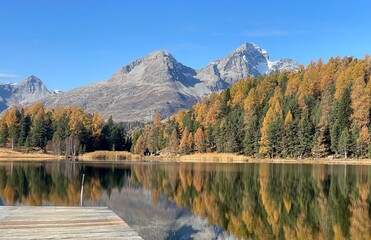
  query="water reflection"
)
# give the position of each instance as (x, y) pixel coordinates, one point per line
(259, 201)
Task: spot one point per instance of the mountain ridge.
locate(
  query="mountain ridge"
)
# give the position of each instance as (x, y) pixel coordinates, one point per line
(158, 82)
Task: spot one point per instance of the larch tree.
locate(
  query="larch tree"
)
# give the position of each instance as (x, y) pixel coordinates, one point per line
(360, 102)
(140, 146)
(268, 120)
(173, 142)
(199, 140)
(184, 146)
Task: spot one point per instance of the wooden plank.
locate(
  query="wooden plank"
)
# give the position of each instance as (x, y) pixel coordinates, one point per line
(62, 223)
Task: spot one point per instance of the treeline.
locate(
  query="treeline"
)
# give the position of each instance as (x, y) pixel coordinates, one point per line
(318, 111)
(65, 131)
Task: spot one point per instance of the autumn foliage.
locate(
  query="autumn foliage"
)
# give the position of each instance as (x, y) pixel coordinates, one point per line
(68, 131)
(318, 111)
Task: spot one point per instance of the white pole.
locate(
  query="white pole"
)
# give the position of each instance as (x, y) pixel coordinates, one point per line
(82, 190)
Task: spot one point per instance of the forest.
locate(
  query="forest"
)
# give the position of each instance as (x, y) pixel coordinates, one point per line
(65, 131)
(322, 110)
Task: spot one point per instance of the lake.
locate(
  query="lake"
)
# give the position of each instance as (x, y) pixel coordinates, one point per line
(203, 200)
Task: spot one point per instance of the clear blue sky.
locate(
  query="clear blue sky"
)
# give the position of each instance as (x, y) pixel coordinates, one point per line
(70, 43)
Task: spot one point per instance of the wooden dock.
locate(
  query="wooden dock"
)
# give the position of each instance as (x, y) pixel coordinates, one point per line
(62, 223)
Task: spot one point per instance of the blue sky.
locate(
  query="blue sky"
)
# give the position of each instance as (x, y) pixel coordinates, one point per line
(70, 43)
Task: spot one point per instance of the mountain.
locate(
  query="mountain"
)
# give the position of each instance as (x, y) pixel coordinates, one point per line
(159, 82)
(135, 91)
(246, 61)
(28, 91)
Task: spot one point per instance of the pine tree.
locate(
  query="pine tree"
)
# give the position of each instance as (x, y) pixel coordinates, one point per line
(252, 137)
(61, 132)
(290, 136)
(234, 130)
(224, 107)
(210, 141)
(344, 109)
(3, 134)
(25, 124)
(219, 134)
(117, 137)
(305, 135)
(335, 135)
(38, 133)
(345, 142)
(274, 138)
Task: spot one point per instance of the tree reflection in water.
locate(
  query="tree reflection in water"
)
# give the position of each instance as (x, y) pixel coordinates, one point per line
(257, 201)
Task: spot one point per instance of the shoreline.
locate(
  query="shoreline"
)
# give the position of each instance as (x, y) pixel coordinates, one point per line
(116, 156)
(7, 154)
(107, 156)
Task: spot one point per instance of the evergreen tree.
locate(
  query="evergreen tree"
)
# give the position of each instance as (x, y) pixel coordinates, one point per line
(61, 132)
(224, 107)
(234, 131)
(344, 109)
(210, 141)
(220, 135)
(305, 135)
(3, 134)
(25, 124)
(38, 133)
(290, 136)
(274, 138)
(117, 137)
(252, 137)
(335, 135)
(345, 142)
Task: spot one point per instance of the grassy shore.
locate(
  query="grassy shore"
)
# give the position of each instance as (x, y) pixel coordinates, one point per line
(110, 156)
(229, 157)
(235, 158)
(9, 154)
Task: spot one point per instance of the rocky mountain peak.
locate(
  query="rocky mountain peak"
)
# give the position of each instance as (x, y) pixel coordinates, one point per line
(246, 61)
(247, 49)
(28, 91)
(156, 67)
(31, 80)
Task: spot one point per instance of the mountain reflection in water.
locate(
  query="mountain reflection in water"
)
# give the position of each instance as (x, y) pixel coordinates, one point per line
(206, 201)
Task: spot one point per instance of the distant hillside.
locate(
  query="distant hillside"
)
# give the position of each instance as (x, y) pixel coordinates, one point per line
(317, 111)
(158, 82)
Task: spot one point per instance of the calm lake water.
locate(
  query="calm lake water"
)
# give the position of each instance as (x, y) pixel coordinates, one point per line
(206, 201)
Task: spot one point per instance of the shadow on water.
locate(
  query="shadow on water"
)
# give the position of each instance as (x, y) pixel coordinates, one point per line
(198, 201)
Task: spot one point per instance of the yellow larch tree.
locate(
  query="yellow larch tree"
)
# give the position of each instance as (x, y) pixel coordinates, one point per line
(199, 140)
(361, 102)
